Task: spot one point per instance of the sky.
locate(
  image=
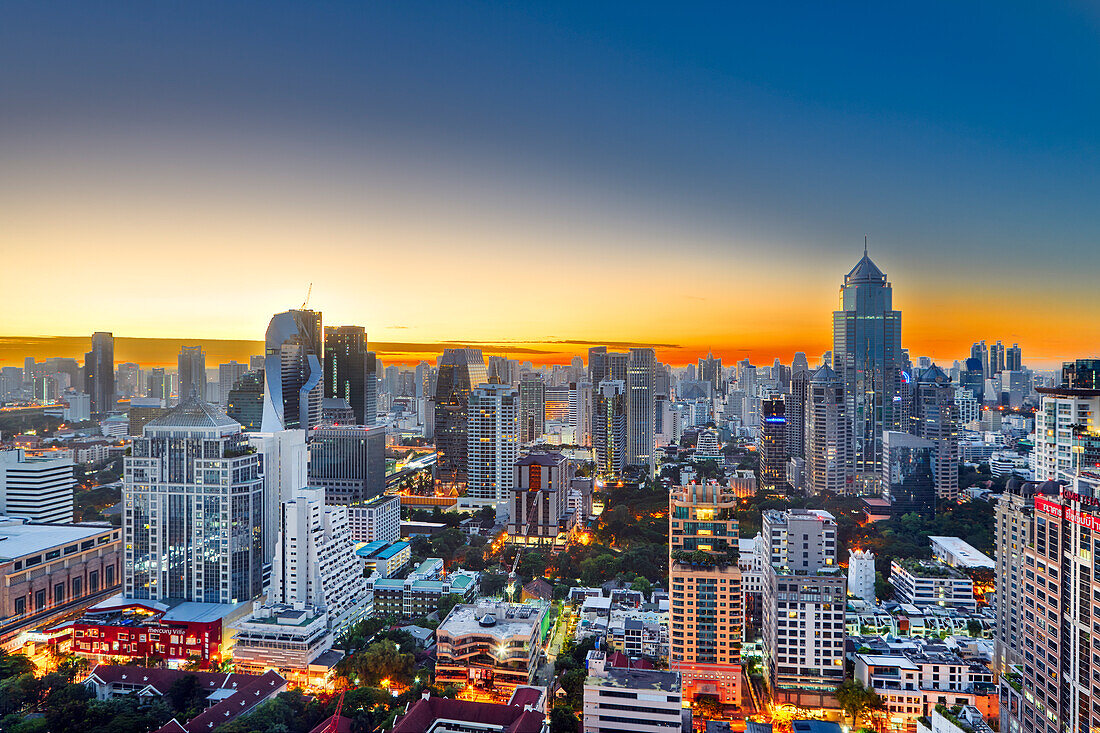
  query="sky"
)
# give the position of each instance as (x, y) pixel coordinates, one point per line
(536, 177)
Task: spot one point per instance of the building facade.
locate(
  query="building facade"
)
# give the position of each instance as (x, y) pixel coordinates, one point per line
(293, 375)
(492, 442)
(460, 371)
(37, 488)
(829, 446)
(349, 366)
(348, 462)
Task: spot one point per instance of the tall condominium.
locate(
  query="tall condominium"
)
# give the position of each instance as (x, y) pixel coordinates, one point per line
(348, 462)
(293, 377)
(794, 409)
(771, 445)
(228, 374)
(1068, 423)
(706, 613)
(244, 402)
(908, 473)
(349, 366)
(532, 408)
(539, 501)
(935, 417)
(460, 371)
(99, 374)
(492, 442)
(37, 488)
(609, 428)
(805, 596)
(191, 371)
(193, 509)
(641, 376)
(829, 459)
(1014, 522)
(868, 357)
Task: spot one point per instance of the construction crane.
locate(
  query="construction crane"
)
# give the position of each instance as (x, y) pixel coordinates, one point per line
(309, 292)
(532, 499)
(333, 723)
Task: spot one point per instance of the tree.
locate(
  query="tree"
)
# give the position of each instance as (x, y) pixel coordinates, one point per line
(642, 585)
(13, 665)
(857, 700)
(563, 720)
(447, 602)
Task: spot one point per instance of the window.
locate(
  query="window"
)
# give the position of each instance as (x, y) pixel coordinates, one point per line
(59, 593)
(20, 605)
(39, 600)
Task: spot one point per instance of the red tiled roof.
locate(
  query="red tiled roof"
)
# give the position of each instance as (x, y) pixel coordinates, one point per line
(524, 696)
(510, 718)
(618, 659)
(242, 701)
(161, 679)
(343, 725)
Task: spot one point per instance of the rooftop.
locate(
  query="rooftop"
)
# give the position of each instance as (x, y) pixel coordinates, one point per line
(496, 619)
(963, 553)
(636, 679)
(19, 540)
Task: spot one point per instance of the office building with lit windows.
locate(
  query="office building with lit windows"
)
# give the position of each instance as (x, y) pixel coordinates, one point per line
(349, 368)
(493, 443)
(460, 371)
(829, 456)
(771, 445)
(348, 462)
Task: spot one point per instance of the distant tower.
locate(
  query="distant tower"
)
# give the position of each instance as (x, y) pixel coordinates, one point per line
(348, 367)
(532, 408)
(936, 418)
(609, 428)
(641, 408)
(492, 445)
(861, 574)
(771, 445)
(293, 379)
(828, 435)
(228, 374)
(99, 374)
(460, 371)
(867, 356)
(192, 372)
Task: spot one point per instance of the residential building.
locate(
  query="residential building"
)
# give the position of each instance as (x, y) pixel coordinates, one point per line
(771, 445)
(930, 583)
(1014, 523)
(828, 445)
(285, 457)
(492, 443)
(641, 394)
(525, 712)
(48, 571)
(193, 509)
(376, 519)
(419, 593)
(348, 462)
(386, 559)
(619, 698)
(805, 597)
(861, 574)
(794, 409)
(293, 375)
(609, 428)
(192, 371)
(38, 488)
(908, 473)
(706, 613)
(492, 648)
(935, 417)
(867, 357)
(532, 408)
(99, 374)
(460, 371)
(538, 511)
(349, 366)
(1068, 415)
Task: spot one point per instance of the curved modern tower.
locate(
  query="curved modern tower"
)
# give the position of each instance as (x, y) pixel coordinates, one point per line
(868, 358)
(293, 385)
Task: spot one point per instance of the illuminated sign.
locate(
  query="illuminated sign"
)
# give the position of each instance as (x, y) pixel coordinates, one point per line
(1058, 511)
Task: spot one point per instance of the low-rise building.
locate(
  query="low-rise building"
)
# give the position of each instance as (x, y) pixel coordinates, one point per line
(960, 719)
(525, 712)
(957, 553)
(419, 594)
(384, 558)
(924, 583)
(491, 648)
(624, 698)
(378, 519)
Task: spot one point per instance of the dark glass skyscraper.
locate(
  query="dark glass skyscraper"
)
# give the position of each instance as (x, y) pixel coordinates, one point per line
(348, 368)
(192, 372)
(868, 358)
(460, 370)
(245, 401)
(908, 479)
(99, 374)
(293, 378)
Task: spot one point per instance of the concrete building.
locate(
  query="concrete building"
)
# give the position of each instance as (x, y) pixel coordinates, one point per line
(492, 443)
(955, 552)
(861, 574)
(491, 647)
(48, 571)
(829, 456)
(37, 488)
(348, 462)
(419, 593)
(377, 519)
(935, 417)
(929, 583)
(609, 428)
(538, 507)
(619, 698)
(193, 509)
(706, 613)
(641, 395)
(285, 460)
(805, 598)
(228, 375)
(1014, 523)
(191, 371)
(1068, 416)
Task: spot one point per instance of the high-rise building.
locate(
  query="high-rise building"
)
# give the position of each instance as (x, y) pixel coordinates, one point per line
(538, 501)
(771, 445)
(1067, 422)
(794, 409)
(492, 442)
(805, 596)
(867, 356)
(908, 479)
(1014, 523)
(192, 371)
(935, 417)
(829, 460)
(285, 458)
(293, 377)
(705, 614)
(228, 375)
(580, 412)
(996, 359)
(37, 488)
(348, 462)
(193, 507)
(129, 379)
(460, 371)
(532, 408)
(971, 378)
(1014, 359)
(99, 374)
(641, 408)
(348, 367)
(159, 385)
(609, 428)
(710, 370)
(646, 700)
(244, 402)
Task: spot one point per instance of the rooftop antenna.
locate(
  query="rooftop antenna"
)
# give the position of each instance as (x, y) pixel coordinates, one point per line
(309, 292)
(864, 249)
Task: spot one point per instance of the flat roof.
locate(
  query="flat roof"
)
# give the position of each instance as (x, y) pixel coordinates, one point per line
(636, 679)
(18, 540)
(201, 612)
(507, 619)
(392, 550)
(963, 552)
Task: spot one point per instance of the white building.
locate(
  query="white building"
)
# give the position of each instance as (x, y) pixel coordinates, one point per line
(861, 574)
(1062, 411)
(925, 583)
(492, 443)
(639, 700)
(957, 553)
(79, 407)
(37, 488)
(376, 519)
(707, 447)
(285, 470)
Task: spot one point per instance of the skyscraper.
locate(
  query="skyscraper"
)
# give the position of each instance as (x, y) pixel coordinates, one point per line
(293, 378)
(532, 408)
(193, 503)
(348, 367)
(710, 370)
(908, 481)
(1014, 359)
(99, 374)
(348, 462)
(228, 374)
(609, 428)
(936, 417)
(159, 384)
(36, 488)
(641, 408)
(192, 372)
(771, 445)
(868, 358)
(129, 379)
(492, 444)
(794, 409)
(460, 371)
(705, 614)
(245, 400)
(829, 447)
